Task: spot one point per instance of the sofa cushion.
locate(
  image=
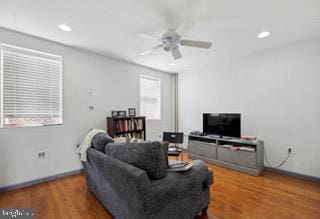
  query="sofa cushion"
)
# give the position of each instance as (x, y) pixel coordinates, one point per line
(100, 140)
(144, 155)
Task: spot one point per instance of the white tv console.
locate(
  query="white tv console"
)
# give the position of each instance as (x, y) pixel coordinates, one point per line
(212, 149)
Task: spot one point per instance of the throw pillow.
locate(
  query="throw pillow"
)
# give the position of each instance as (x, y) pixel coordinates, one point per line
(120, 140)
(135, 140)
(100, 140)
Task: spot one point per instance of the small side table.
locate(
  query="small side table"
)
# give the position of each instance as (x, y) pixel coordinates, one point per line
(175, 152)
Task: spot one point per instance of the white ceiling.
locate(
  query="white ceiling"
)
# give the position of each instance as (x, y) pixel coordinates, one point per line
(111, 27)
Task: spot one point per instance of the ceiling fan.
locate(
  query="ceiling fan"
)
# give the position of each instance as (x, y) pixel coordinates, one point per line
(171, 40)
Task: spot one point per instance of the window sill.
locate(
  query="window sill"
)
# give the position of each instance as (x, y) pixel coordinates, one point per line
(27, 126)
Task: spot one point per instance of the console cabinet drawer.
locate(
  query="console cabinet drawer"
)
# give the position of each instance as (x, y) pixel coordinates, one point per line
(243, 158)
(203, 149)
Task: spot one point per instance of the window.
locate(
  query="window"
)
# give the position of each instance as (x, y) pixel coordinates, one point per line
(30, 84)
(150, 97)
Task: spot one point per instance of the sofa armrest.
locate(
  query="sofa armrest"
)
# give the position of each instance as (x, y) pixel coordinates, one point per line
(129, 183)
(199, 173)
(178, 189)
(210, 178)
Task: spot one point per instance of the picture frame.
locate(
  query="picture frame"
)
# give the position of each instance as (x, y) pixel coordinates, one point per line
(132, 111)
(114, 113)
(122, 113)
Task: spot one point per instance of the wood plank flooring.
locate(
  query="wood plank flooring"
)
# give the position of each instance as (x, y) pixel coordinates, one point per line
(233, 195)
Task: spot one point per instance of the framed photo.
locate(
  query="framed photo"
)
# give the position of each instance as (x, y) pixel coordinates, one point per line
(132, 111)
(122, 113)
(114, 113)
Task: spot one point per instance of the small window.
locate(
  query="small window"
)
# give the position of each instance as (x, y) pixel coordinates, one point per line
(150, 97)
(30, 84)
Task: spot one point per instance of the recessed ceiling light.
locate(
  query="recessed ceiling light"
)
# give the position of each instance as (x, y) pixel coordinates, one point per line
(263, 34)
(172, 64)
(65, 27)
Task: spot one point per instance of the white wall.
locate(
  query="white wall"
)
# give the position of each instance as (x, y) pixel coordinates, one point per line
(115, 86)
(278, 93)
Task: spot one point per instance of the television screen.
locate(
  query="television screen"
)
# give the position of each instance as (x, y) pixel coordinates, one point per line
(222, 124)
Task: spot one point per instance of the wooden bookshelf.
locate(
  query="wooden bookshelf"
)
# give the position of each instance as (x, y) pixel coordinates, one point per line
(127, 126)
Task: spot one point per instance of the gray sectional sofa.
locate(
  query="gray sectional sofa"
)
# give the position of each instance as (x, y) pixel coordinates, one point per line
(131, 181)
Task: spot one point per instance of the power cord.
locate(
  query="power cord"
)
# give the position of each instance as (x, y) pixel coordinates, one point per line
(283, 162)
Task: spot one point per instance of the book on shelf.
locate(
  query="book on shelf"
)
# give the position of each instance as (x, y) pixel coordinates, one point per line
(249, 138)
(128, 125)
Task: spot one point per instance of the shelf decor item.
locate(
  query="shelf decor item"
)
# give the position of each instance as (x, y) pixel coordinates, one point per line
(132, 111)
(122, 113)
(127, 126)
(114, 113)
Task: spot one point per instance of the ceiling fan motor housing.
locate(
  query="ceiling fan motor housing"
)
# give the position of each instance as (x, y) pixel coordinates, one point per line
(170, 40)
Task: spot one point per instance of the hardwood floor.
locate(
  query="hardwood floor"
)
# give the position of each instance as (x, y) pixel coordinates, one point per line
(233, 195)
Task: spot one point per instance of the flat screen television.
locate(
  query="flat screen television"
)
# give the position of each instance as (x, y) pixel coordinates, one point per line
(222, 124)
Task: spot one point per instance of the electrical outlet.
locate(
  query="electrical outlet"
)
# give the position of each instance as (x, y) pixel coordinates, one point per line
(41, 154)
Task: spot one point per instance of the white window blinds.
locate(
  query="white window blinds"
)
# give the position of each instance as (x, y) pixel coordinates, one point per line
(30, 92)
(150, 97)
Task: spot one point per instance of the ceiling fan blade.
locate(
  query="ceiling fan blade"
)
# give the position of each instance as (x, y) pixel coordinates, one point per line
(198, 44)
(145, 52)
(148, 36)
(176, 53)
(184, 28)
(151, 50)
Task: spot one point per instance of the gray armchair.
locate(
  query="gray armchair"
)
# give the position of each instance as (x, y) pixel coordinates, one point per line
(126, 179)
